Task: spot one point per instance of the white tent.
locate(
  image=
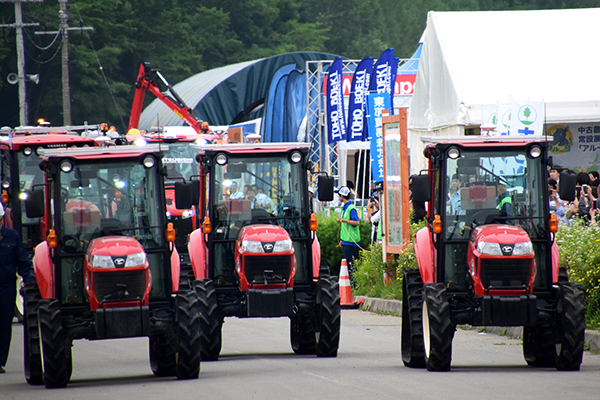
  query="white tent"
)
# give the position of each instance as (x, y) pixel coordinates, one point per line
(473, 60)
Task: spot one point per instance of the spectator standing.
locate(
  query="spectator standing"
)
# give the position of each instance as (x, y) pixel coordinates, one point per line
(13, 259)
(349, 230)
(314, 203)
(374, 216)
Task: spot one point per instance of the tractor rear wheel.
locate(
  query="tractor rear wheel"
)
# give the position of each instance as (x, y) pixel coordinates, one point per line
(211, 322)
(328, 313)
(34, 374)
(56, 350)
(187, 325)
(438, 329)
(302, 335)
(572, 318)
(413, 352)
(162, 355)
(538, 346)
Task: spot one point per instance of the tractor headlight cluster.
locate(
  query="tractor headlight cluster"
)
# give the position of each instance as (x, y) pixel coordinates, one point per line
(251, 246)
(490, 248)
(187, 214)
(522, 249)
(132, 260)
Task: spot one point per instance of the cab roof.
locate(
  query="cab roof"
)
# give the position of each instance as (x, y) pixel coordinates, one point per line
(91, 153)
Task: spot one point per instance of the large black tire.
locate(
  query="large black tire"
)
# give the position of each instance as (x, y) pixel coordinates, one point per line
(56, 350)
(34, 374)
(572, 318)
(302, 335)
(438, 329)
(413, 352)
(328, 317)
(211, 322)
(539, 349)
(187, 325)
(162, 355)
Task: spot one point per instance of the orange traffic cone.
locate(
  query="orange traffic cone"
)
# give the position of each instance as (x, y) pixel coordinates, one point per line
(346, 300)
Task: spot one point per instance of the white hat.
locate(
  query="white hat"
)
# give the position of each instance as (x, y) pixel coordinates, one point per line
(344, 191)
(312, 190)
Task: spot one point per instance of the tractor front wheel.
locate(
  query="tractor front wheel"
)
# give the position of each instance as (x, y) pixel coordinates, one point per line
(413, 353)
(162, 355)
(302, 335)
(438, 329)
(187, 325)
(571, 310)
(328, 312)
(34, 374)
(56, 350)
(211, 322)
(538, 346)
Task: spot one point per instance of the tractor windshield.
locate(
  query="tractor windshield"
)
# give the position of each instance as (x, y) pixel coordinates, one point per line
(494, 187)
(29, 174)
(266, 190)
(112, 198)
(180, 160)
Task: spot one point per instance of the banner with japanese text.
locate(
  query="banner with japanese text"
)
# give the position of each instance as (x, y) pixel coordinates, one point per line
(357, 104)
(376, 103)
(575, 146)
(381, 80)
(336, 120)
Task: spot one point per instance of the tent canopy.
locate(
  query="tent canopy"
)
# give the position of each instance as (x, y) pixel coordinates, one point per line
(472, 60)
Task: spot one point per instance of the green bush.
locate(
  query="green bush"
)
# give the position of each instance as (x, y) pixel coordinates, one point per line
(329, 239)
(579, 247)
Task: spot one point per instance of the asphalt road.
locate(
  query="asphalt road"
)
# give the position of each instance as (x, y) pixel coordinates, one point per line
(257, 363)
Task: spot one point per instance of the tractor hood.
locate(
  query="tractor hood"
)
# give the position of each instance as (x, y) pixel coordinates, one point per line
(263, 233)
(499, 233)
(114, 246)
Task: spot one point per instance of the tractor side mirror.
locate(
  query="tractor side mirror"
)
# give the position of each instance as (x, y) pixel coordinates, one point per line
(184, 195)
(34, 204)
(325, 184)
(566, 188)
(421, 188)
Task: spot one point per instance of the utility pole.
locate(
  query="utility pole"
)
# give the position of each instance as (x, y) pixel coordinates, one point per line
(64, 31)
(19, 25)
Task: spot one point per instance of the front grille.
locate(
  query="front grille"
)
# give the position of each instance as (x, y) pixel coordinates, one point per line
(275, 268)
(121, 285)
(505, 273)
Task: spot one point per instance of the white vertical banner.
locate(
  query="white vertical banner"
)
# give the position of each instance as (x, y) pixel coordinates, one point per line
(489, 117)
(503, 117)
(526, 117)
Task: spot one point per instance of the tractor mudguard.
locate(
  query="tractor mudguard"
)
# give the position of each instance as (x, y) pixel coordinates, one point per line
(316, 257)
(44, 271)
(197, 252)
(424, 254)
(175, 269)
(555, 262)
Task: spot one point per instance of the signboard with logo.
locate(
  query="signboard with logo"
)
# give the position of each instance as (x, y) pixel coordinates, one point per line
(575, 146)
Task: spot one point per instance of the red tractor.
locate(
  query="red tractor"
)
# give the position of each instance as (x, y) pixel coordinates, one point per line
(19, 171)
(487, 256)
(257, 254)
(108, 267)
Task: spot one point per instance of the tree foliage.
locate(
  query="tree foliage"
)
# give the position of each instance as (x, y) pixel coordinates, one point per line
(185, 37)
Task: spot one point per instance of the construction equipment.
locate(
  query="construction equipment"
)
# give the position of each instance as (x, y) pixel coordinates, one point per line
(108, 267)
(146, 81)
(257, 254)
(488, 255)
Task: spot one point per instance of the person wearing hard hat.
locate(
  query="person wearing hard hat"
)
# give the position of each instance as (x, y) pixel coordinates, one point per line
(13, 260)
(349, 229)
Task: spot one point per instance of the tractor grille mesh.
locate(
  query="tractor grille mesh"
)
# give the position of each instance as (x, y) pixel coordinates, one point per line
(257, 265)
(109, 286)
(499, 273)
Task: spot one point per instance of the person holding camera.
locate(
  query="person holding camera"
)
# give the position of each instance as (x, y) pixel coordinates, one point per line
(584, 204)
(374, 216)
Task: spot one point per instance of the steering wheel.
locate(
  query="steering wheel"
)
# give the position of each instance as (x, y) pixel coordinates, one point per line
(476, 218)
(70, 244)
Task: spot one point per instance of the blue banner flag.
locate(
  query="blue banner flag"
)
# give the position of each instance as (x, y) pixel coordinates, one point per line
(357, 105)
(381, 79)
(376, 103)
(336, 120)
(393, 73)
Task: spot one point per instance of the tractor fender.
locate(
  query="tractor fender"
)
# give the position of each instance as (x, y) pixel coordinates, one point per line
(44, 270)
(197, 253)
(175, 269)
(555, 262)
(316, 257)
(424, 254)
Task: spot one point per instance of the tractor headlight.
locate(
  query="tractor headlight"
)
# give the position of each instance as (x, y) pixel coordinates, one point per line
(135, 260)
(522, 249)
(251, 246)
(282, 245)
(489, 248)
(102, 261)
(187, 214)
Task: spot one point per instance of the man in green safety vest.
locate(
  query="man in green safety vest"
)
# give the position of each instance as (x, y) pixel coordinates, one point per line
(504, 200)
(349, 230)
